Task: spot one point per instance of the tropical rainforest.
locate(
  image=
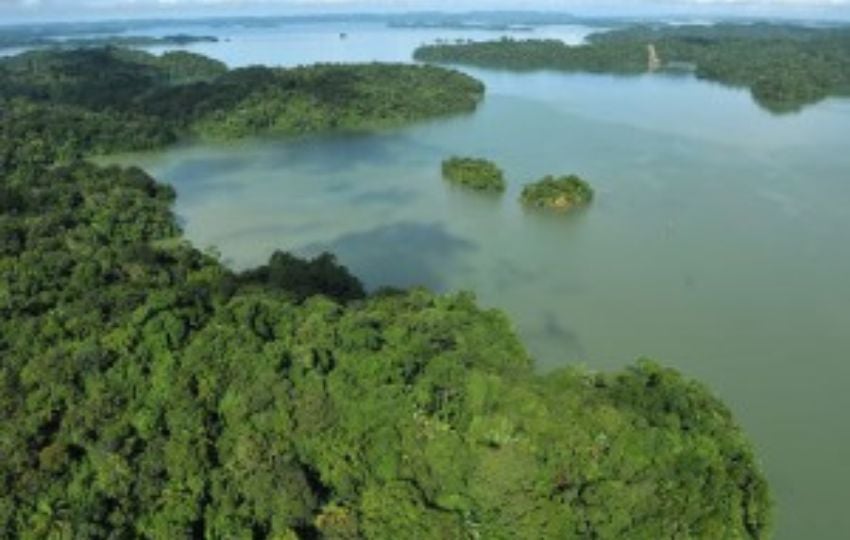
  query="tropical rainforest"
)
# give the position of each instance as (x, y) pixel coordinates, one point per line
(101, 41)
(148, 391)
(474, 173)
(63, 104)
(557, 193)
(785, 67)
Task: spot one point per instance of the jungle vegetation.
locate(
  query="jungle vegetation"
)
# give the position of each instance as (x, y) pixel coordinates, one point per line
(64, 104)
(30, 41)
(785, 67)
(128, 32)
(491, 21)
(474, 173)
(557, 193)
(148, 391)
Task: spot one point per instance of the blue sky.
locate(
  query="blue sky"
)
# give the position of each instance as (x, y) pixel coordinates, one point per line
(11, 10)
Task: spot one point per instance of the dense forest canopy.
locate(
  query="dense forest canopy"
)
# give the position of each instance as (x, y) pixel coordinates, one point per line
(68, 103)
(30, 41)
(147, 391)
(785, 67)
(489, 20)
(82, 33)
(474, 173)
(557, 193)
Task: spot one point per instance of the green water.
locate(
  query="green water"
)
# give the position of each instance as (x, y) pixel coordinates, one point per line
(717, 242)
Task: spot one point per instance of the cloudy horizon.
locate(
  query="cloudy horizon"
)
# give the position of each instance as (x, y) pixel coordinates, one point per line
(58, 10)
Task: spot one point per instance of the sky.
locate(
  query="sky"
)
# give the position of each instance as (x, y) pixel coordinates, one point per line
(17, 10)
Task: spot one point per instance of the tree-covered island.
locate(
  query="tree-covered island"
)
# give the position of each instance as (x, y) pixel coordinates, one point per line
(29, 41)
(785, 67)
(557, 193)
(63, 104)
(148, 391)
(474, 173)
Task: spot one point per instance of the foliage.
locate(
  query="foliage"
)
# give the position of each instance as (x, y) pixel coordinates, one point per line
(785, 67)
(33, 133)
(474, 173)
(329, 97)
(92, 34)
(146, 391)
(104, 41)
(303, 278)
(535, 54)
(557, 193)
(174, 67)
(64, 104)
(149, 392)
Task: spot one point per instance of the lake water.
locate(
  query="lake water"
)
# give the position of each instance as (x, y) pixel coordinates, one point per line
(718, 242)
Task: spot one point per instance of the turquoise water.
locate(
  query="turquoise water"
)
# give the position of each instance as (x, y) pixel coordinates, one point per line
(717, 243)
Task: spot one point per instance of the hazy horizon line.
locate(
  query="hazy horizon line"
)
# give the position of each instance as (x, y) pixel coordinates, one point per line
(331, 15)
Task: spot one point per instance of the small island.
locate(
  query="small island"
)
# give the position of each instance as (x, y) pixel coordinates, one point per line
(474, 173)
(561, 193)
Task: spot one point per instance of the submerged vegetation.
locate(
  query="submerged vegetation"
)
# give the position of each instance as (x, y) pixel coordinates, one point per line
(474, 173)
(785, 67)
(148, 391)
(557, 193)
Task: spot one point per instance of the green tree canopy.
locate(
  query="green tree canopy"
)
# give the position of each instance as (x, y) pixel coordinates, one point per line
(785, 67)
(148, 391)
(557, 193)
(474, 173)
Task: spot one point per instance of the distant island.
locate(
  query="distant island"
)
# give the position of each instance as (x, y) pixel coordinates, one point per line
(557, 193)
(491, 20)
(474, 173)
(461, 25)
(785, 67)
(29, 41)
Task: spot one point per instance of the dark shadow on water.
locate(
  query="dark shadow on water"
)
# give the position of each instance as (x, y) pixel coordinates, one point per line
(689, 281)
(331, 154)
(201, 178)
(248, 234)
(490, 197)
(508, 274)
(404, 254)
(557, 217)
(202, 170)
(393, 196)
(568, 342)
(339, 187)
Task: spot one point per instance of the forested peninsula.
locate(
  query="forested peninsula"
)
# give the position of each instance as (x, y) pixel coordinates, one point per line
(101, 41)
(785, 67)
(148, 391)
(60, 105)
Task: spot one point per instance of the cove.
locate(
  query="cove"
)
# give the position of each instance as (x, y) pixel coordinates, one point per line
(717, 242)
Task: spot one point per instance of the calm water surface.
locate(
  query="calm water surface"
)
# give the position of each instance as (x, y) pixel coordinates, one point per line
(717, 244)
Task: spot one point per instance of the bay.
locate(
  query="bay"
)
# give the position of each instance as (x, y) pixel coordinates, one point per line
(717, 243)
